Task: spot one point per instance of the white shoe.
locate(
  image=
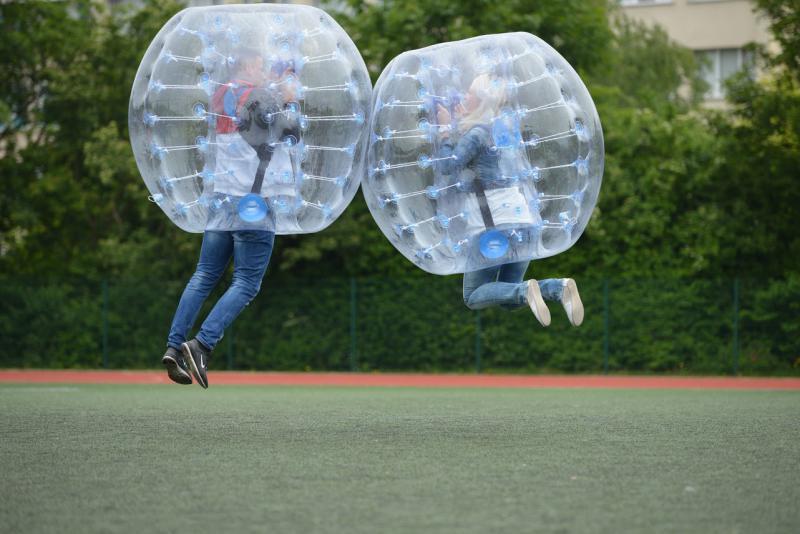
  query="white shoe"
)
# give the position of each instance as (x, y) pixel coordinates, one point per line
(571, 301)
(536, 302)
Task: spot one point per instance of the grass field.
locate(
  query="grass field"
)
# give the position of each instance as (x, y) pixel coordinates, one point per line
(135, 458)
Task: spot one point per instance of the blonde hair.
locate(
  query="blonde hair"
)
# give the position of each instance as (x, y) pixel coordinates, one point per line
(491, 94)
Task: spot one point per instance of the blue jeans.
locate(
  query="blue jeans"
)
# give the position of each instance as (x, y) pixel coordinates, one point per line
(503, 286)
(251, 250)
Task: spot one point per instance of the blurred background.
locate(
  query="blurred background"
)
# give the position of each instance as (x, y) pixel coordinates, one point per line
(690, 264)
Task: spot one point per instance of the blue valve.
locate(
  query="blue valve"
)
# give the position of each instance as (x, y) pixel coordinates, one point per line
(493, 244)
(252, 208)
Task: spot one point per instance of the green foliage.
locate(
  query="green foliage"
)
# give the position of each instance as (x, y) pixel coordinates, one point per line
(50, 324)
(413, 323)
(650, 71)
(754, 186)
(771, 319)
(383, 30)
(652, 216)
(784, 23)
(756, 183)
(72, 192)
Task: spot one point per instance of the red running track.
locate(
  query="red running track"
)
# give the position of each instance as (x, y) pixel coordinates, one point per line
(406, 380)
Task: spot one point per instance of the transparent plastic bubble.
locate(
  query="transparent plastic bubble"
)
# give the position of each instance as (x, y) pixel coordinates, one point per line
(251, 117)
(482, 152)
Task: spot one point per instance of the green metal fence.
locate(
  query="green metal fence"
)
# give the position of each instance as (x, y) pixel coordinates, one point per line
(420, 324)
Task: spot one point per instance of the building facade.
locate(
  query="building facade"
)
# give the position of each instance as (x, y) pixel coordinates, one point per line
(717, 30)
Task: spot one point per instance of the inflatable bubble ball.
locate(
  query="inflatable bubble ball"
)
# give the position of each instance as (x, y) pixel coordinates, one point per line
(482, 152)
(251, 117)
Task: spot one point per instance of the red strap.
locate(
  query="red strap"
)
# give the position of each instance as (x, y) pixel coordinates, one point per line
(226, 124)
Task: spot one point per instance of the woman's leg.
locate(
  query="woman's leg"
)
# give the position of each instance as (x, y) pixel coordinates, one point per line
(552, 288)
(514, 273)
(251, 252)
(529, 291)
(475, 280)
(496, 286)
(564, 290)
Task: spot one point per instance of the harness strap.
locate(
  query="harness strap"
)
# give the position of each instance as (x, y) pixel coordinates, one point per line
(263, 163)
(486, 213)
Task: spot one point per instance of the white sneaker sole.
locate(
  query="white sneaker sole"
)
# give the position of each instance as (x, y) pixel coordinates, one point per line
(571, 295)
(536, 302)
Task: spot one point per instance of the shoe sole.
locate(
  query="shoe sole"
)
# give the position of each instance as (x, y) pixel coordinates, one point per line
(536, 303)
(175, 372)
(193, 366)
(571, 292)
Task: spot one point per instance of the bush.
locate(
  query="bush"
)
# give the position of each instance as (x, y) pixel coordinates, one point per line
(414, 324)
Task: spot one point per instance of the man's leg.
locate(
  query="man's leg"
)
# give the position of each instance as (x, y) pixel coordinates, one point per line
(251, 252)
(214, 256)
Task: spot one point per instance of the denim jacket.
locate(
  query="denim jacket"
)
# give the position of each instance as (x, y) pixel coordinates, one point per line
(472, 150)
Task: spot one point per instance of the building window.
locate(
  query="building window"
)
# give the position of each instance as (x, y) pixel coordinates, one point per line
(721, 64)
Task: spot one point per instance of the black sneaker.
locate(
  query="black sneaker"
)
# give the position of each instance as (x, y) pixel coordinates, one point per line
(176, 367)
(197, 357)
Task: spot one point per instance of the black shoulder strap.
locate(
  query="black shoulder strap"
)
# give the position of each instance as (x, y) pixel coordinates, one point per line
(264, 156)
(486, 213)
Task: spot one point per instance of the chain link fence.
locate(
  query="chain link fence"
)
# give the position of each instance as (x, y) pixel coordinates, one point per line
(415, 324)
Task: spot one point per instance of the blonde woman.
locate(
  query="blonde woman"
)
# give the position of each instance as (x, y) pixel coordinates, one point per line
(501, 285)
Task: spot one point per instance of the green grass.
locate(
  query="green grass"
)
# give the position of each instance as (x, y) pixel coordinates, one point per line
(280, 459)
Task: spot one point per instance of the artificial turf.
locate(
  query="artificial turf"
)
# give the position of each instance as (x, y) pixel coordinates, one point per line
(88, 458)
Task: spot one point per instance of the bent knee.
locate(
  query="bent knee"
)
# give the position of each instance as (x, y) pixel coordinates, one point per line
(471, 305)
(466, 301)
(204, 280)
(246, 287)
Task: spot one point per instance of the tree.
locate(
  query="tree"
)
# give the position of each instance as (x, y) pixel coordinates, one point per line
(755, 186)
(650, 70)
(784, 24)
(382, 30)
(73, 201)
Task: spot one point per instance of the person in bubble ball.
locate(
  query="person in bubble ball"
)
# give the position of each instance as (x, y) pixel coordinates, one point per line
(250, 112)
(235, 175)
(501, 285)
